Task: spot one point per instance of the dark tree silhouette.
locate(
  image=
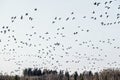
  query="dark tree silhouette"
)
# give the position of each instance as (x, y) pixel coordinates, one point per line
(96, 75)
(30, 73)
(90, 73)
(25, 72)
(17, 77)
(61, 75)
(81, 77)
(67, 75)
(39, 72)
(75, 75)
(35, 71)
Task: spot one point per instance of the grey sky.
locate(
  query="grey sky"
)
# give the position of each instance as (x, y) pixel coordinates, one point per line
(106, 38)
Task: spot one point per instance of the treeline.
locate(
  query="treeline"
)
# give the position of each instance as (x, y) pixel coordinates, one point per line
(38, 74)
(48, 74)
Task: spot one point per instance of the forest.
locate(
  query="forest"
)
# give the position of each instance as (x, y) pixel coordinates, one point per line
(38, 74)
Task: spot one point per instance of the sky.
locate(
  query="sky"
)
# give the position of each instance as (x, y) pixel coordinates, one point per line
(62, 35)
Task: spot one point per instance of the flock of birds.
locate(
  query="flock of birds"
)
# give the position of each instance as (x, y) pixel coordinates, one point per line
(58, 49)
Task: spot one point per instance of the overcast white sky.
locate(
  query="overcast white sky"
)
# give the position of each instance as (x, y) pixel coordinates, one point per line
(47, 10)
